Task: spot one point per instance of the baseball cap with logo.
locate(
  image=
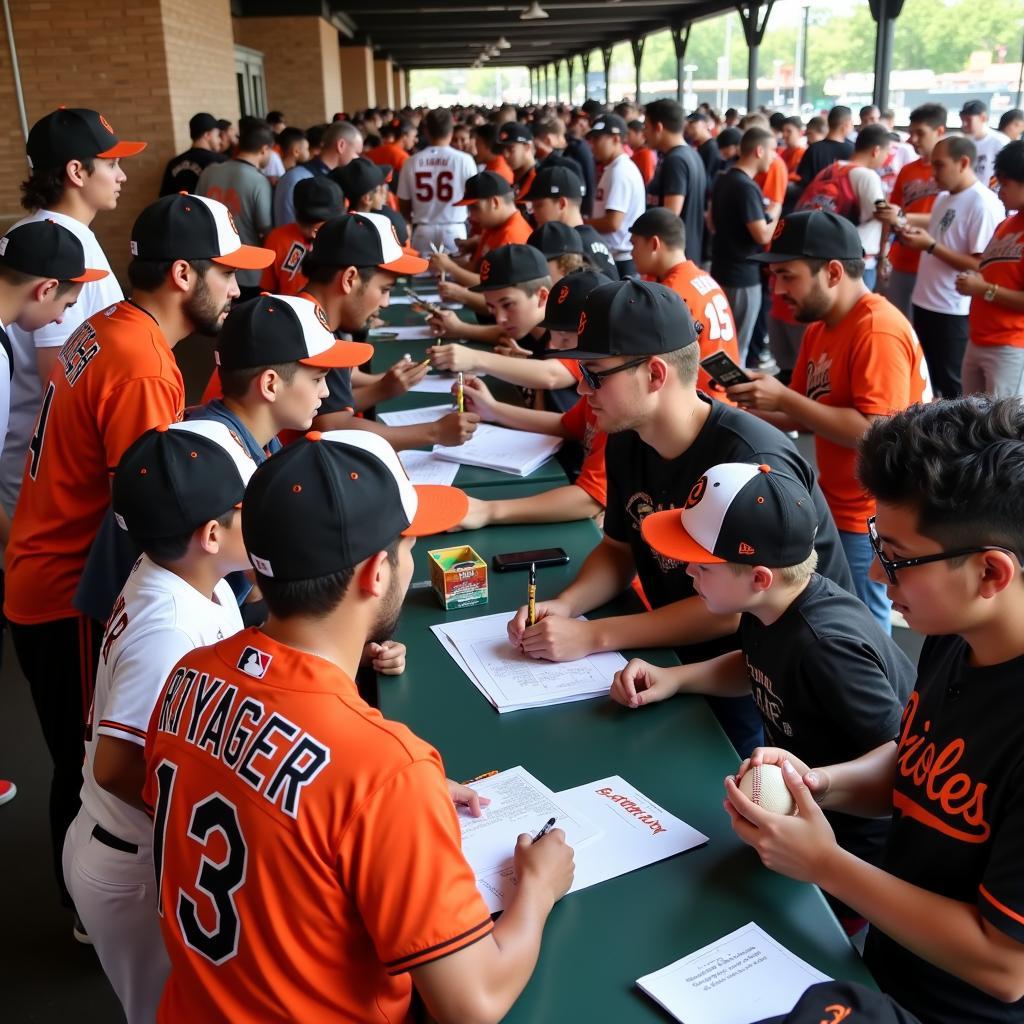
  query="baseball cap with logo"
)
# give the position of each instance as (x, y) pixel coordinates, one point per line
(44, 248)
(358, 177)
(553, 182)
(274, 329)
(75, 133)
(632, 318)
(565, 302)
(608, 124)
(200, 124)
(328, 501)
(186, 227)
(738, 512)
(318, 199)
(362, 240)
(812, 234)
(556, 239)
(512, 132)
(485, 185)
(835, 1001)
(509, 265)
(175, 478)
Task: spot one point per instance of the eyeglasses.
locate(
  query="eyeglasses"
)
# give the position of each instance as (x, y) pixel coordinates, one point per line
(593, 378)
(891, 567)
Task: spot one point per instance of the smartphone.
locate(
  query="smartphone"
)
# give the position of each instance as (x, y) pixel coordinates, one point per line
(430, 307)
(723, 371)
(513, 560)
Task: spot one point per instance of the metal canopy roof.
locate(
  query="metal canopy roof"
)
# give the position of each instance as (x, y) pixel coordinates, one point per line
(451, 33)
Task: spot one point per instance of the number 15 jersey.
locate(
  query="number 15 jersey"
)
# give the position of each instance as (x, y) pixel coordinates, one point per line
(432, 180)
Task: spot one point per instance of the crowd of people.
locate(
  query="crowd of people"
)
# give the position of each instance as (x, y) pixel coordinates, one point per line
(191, 592)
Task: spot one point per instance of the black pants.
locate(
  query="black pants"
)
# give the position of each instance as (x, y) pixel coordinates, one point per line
(59, 661)
(943, 338)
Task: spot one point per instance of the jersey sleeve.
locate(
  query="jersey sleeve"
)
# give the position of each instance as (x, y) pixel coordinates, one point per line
(402, 863)
(592, 478)
(133, 408)
(1001, 892)
(882, 366)
(982, 228)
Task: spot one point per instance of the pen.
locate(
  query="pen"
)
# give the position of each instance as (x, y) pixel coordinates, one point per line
(461, 394)
(480, 778)
(548, 826)
(531, 595)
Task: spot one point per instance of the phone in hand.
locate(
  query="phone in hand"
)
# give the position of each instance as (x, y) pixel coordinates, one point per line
(431, 307)
(723, 370)
(511, 561)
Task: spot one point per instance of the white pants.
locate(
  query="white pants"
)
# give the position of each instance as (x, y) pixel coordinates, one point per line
(444, 235)
(115, 896)
(996, 370)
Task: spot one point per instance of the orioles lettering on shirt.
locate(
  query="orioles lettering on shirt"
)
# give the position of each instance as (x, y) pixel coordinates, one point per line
(78, 352)
(239, 733)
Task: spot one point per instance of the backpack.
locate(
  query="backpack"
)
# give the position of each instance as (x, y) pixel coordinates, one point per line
(832, 191)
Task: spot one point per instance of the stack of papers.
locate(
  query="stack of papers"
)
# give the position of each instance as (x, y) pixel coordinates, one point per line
(413, 417)
(518, 452)
(403, 332)
(744, 976)
(423, 468)
(512, 680)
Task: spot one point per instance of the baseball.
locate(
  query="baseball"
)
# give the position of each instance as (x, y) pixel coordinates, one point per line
(765, 785)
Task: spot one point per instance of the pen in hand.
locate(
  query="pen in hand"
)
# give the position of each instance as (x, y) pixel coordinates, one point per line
(461, 394)
(548, 826)
(531, 596)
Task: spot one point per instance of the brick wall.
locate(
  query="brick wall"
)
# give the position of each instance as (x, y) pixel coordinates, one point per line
(357, 78)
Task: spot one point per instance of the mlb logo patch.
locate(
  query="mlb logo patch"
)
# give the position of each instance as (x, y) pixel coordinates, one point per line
(254, 663)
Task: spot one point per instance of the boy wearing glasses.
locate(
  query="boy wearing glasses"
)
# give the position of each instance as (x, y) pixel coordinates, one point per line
(947, 906)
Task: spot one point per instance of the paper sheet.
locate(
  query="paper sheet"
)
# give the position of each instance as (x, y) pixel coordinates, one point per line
(404, 332)
(510, 679)
(633, 831)
(412, 417)
(518, 452)
(436, 384)
(744, 976)
(423, 468)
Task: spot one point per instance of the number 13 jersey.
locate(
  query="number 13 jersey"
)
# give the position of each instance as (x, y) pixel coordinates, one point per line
(432, 180)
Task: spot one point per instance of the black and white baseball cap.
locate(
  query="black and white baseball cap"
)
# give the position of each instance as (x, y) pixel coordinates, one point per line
(511, 132)
(75, 133)
(44, 248)
(362, 240)
(608, 124)
(175, 478)
(738, 512)
(187, 227)
(328, 501)
(274, 329)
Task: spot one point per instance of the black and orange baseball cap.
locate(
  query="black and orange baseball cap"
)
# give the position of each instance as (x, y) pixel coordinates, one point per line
(362, 240)
(44, 248)
(485, 185)
(510, 265)
(812, 235)
(512, 132)
(75, 133)
(328, 501)
(187, 227)
(274, 329)
(554, 239)
(844, 1001)
(565, 301)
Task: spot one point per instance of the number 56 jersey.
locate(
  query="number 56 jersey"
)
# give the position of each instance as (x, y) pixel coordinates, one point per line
(432, 180)
(307, 851)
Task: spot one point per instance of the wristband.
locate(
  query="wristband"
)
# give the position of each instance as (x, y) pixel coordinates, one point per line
(931, 248)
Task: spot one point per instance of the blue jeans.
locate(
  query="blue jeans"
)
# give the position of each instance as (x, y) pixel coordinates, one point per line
(870, 277)
(860, 556)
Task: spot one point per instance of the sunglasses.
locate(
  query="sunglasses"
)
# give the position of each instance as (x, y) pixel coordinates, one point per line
(593, 378)
(892, 567)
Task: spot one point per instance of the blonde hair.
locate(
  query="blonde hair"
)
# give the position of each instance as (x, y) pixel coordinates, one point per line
(787, 575)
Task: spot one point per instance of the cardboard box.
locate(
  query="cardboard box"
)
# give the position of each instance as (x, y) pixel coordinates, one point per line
(458, 576)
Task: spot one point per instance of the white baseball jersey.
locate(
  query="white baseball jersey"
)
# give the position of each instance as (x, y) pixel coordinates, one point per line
(622, 189)
(157, 619)
(432, 180)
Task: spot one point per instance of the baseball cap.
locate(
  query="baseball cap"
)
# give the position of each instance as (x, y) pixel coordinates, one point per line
(511, 132)
(861, 1006)
(187, 227)
(632, 318)
(175, 478)
(74, 133)
(812, 234)
(565, 303)
(729, 137)
(972, 107)
(738, 512)
(199, 124)
(362, 240)
(274, 329)
(484, 185)
(223, 124)
(358, 177)
(44, 248)
(318, 199)
(556, 239)
(509, 265)
(608, 124)
(698, 115)
(554, 182)
(328, 501)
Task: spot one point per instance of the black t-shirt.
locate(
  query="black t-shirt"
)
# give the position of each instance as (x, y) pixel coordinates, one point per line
(681, 173)
(580, 152)
(736, 200)
(711, 158)
(339, 392)
(958, 821)
(830, 685)
(818, 156)
(595, 248)
(182, 172)
(640, 482)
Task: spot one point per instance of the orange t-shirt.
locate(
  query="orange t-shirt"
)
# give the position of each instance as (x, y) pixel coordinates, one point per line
(582, 426)
(115, 377)
(388, 153)
(515, 231)
(522, 186)
(871, 362)
(500, 166)
(710, 308)
(283, 276)
(773, 182)
(1002, 263)
(646, 160)
(308, 852)
(915, 191)
(791, 157)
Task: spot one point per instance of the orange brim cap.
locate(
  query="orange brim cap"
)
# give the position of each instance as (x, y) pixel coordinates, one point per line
(246, 257)
(343, 354)
(122, 149)
(665, 533)
(90, 274)
(404, 265)
(440, 508)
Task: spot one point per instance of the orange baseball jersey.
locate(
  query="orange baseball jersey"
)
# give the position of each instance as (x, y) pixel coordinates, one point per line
(710, 308)
(871, 362)
(773, 182)
(1002, 263)
(115, 378)
(646, 161)
(389, 154)
(500, 166)
(582, 426)
(307, 852)
(515, 231)
(915, 191)
(791, 157)
(284, 276)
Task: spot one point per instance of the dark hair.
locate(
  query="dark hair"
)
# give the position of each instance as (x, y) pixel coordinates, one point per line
(325, 273)
(17, 278)
(852, 268)
(660, 222)
(171, 549)
(867, 110)
(549, 126)
(932, 114)
(870, 136)
(314, 598)
(1009, 116)
(486, 133)
(667, 113)
(959, 463)
(1010, 161)
(274, 116)
(315, 134)
(817, 124)
(777, 120)
(959, 146)
(839, 115)
(794, 121)
(290, 137)
(754, 137)
(253, 136)
(731, 112)
(635, 126)
(43, 188)
(438, 124)
(149, 275)
(235, 383)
